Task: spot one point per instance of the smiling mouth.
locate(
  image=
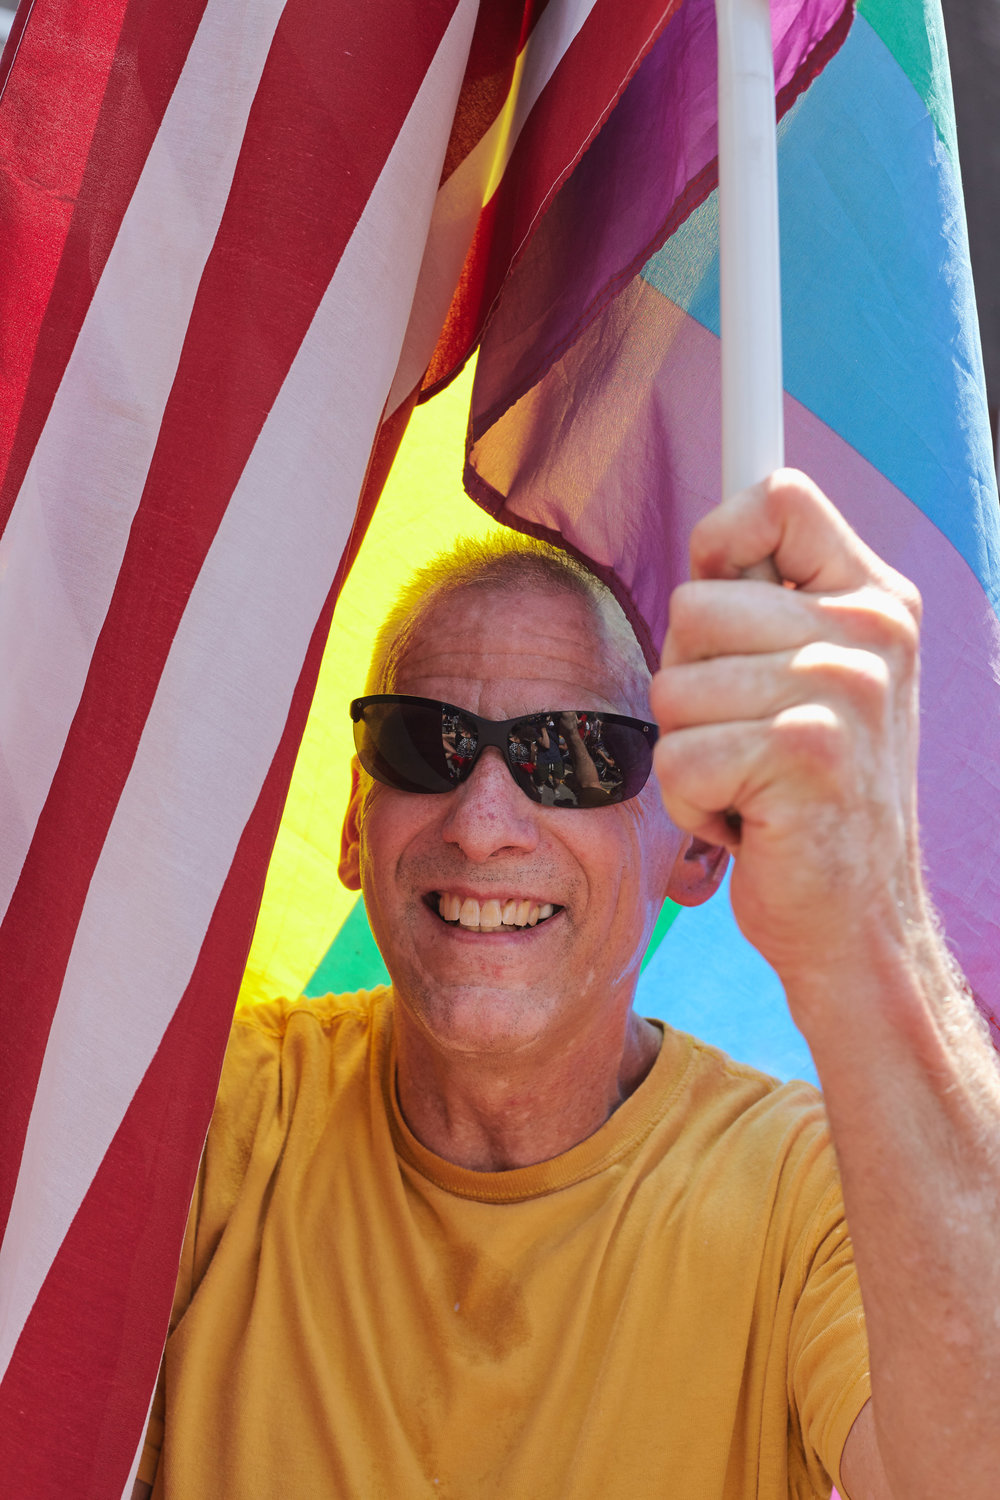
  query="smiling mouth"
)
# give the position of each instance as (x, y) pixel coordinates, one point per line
(491, 915)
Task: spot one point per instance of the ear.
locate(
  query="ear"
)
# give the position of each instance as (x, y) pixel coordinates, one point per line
(349, 868)
(697, 871)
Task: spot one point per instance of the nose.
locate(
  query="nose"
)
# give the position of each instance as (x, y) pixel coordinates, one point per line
(489, 814)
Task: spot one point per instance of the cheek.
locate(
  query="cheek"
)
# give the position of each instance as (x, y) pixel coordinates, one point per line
(641, 865)
(392, 826)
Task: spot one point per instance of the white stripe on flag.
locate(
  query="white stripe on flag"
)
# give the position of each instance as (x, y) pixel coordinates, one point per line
(63, 545)
(470, 186)
(223, 699)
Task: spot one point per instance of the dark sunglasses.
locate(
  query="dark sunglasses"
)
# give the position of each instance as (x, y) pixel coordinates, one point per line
(559, 757)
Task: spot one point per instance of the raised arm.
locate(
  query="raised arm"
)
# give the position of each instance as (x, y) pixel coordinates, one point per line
(797, 709)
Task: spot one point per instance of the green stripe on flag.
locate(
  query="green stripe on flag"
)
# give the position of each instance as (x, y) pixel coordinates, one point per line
(913, 31)
(663, 924)
(352, 961)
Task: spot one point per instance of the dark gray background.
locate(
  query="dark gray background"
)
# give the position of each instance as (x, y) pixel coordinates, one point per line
(973, 28)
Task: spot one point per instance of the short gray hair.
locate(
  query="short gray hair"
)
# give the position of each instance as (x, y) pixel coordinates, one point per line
(502, 562)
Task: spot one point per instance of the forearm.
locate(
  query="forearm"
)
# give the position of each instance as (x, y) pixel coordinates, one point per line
(797, 708)
(913, 1094)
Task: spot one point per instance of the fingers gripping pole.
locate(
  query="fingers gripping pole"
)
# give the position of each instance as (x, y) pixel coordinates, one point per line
(753, 433)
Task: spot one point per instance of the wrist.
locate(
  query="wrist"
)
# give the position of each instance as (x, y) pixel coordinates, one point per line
(890, 979)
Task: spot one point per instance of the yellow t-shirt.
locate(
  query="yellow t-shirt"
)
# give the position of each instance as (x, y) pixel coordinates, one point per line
(668, 1309)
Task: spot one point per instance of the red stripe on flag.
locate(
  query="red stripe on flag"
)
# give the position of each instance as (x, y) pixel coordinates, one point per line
(74, 1398)
(383, 454)
(575, 102)
(77, 118)
(296, 196)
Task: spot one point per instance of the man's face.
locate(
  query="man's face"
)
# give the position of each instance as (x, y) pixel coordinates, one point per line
(604, 871)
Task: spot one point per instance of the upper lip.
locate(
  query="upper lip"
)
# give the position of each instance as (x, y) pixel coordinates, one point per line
(498, 893)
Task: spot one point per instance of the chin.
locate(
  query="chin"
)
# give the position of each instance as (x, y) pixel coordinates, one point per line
(482, 1020)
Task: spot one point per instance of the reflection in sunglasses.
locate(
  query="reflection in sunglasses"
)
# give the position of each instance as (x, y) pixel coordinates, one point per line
(562, 754)
(562, 758)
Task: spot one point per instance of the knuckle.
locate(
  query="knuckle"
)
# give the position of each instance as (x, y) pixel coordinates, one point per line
(790, 495)
(839, 673)
(685, 615)
(788, 485)
(911, 599)
(875, 620)
(815, 738)
(665, 758)
(902, 591)
(702, 545)
(665, 696)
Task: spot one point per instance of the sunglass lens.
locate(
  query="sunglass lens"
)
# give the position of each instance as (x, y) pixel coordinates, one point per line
(409, 746)
(579, 759)
(627, 752)
(560, 759)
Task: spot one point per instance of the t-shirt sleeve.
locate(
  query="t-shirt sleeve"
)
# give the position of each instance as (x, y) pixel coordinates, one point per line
(153, 1442)
(246, 1105)
(828, 1366)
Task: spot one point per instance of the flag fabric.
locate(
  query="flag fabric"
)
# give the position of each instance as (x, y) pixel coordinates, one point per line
(973, 32)
(239, 236)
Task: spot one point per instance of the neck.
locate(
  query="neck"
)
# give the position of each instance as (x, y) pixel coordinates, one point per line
(492, 1112)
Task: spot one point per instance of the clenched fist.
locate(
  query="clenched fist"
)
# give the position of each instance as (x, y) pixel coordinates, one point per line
(789, 725)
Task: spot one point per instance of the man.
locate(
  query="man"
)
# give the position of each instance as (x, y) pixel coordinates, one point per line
(494, 1234)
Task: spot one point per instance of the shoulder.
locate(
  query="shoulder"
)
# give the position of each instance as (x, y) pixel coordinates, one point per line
(754, 1143)
(275, 1019)
(292, 1034)
(732, 1095)
(292, 1068)
(287, 1061)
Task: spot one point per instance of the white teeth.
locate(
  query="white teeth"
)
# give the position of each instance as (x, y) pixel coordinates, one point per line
(490, 915)
(487, 916)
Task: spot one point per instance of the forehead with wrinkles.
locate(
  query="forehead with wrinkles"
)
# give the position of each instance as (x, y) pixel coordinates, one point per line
(572, 636)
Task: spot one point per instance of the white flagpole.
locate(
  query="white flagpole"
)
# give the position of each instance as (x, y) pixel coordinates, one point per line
(753, 433)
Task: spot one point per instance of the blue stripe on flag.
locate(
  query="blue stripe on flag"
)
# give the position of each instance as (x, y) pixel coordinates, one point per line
(705, 978)
(880, 327)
